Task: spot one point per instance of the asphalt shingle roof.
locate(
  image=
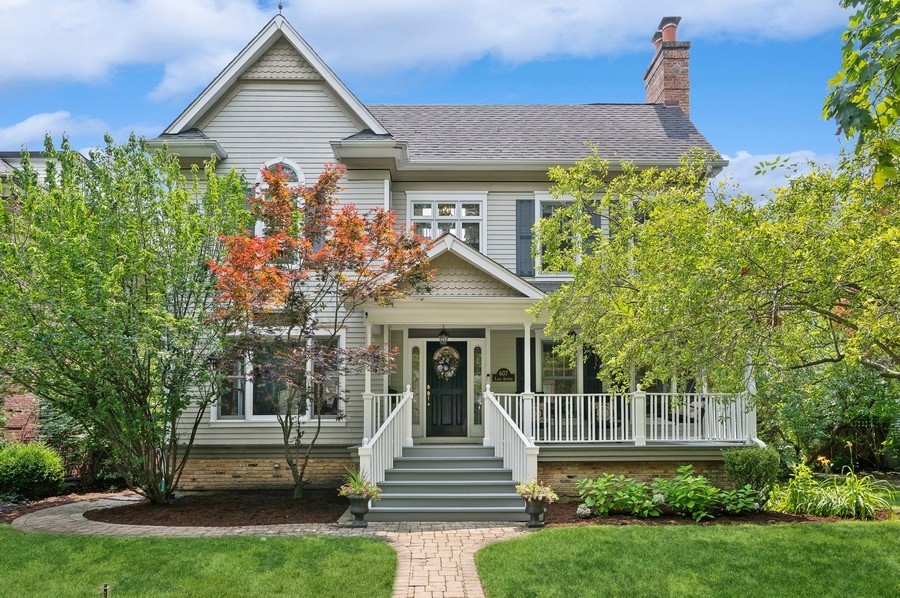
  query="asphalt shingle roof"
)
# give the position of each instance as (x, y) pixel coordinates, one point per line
(637, 132)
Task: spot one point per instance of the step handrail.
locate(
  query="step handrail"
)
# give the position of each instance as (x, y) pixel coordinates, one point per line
(377, 454)
(520, 454)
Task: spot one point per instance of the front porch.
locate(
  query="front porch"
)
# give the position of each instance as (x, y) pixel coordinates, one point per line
(452, 483)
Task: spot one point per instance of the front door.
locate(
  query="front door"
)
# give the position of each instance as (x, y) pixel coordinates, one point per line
(445, 391)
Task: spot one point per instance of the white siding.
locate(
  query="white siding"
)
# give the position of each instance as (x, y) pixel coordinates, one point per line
(262, 120)
(365, 193)
(503, 355)
(501, 227)
(398, 205)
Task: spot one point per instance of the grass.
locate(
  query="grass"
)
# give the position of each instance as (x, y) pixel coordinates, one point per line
(51, 565)
(834, 559)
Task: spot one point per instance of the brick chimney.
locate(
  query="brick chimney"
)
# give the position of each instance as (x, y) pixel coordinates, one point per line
(667, 79)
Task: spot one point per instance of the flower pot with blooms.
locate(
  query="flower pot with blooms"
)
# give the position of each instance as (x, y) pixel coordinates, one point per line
(537, 496)
(359, 490)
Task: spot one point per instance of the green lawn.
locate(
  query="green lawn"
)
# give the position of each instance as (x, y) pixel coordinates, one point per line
(51, 565)
(837, 559)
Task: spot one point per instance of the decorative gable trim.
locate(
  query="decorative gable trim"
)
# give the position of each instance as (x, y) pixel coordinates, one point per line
(282, 61)
(274, 31)
(450, 244)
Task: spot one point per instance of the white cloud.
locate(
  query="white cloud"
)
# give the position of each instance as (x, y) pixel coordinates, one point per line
(742, 167)
(31, 131)
(86, 40)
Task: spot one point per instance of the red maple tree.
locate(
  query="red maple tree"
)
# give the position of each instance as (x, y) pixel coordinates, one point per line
(291, 291)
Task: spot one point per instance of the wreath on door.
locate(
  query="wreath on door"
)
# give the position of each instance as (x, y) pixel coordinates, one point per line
(446, 362)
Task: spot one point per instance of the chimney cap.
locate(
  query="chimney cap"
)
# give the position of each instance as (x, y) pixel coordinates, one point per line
(656, 39)
(669, 21)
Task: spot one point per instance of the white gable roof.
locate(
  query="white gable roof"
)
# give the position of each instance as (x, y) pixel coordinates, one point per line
(448, 243)
(277, 28)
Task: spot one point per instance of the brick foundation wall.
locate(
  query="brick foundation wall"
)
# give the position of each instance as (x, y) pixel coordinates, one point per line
(233, 473)
(563, 475)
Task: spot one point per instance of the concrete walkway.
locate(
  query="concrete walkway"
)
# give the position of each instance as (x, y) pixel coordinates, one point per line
(434, 560)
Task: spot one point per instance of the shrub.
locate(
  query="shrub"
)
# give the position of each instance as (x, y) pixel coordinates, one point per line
(30, 470)
(688, 493)
(610, 493)
(740, 500)
(849, 496)
(754, 466)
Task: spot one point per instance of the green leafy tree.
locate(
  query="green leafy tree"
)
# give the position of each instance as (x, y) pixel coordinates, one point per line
(692, 282)
(106, 296)
(864, 96)
(831, 416)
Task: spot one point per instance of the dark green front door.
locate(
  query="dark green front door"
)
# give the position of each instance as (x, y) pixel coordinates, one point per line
(446, 389)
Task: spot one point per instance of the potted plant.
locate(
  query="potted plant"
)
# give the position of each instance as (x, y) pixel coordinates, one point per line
(359, 490)
(537, 496)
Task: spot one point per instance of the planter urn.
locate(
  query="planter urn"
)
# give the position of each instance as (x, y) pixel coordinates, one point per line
(359, 506)
(535, 509)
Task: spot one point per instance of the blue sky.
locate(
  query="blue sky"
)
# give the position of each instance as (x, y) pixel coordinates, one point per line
(759, 68)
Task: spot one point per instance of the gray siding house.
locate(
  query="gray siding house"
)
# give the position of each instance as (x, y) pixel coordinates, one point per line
(474, 179)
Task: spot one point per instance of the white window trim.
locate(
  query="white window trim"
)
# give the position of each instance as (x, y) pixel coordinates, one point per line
(480, 197)
(308, 419)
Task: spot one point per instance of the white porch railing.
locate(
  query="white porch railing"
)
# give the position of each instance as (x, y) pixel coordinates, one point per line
(377, 454)
(631, 417)
(383, 405)
(500, 431)
(698, 417)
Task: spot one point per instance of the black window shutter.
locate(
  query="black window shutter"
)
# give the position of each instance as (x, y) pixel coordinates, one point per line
(589, 371)
(524, 223)
(520, 367)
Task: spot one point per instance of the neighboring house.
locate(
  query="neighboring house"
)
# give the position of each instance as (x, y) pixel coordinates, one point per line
(20, 409)
(474, 178)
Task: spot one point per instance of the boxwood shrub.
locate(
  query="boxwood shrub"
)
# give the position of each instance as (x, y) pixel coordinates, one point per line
(30, 471)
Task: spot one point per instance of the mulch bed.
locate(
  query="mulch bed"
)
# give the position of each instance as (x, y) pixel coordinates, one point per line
(267, 507)
(231, 509)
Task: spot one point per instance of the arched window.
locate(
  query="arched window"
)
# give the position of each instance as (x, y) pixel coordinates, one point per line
(294, 172)
(295, 178)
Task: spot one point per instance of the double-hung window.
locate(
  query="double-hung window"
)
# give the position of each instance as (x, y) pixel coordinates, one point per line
(432, 214)
(558, 374)
(545, 206)
(275, 371)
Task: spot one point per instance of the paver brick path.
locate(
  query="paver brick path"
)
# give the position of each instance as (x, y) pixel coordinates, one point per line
(434, 560)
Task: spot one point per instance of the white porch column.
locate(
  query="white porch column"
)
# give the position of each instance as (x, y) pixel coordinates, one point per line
(367, 397)
(368, 387)
(529, 349)
(487, 413)
(639, 416)
(750, 404)
(528, 394)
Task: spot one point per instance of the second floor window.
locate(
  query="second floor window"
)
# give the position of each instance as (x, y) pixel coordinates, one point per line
(461, 214)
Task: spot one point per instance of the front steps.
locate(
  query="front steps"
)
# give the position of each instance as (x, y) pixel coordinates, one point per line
(450, 482)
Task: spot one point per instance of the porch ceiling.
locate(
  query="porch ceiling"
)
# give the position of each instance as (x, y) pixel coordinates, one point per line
(468, 311)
